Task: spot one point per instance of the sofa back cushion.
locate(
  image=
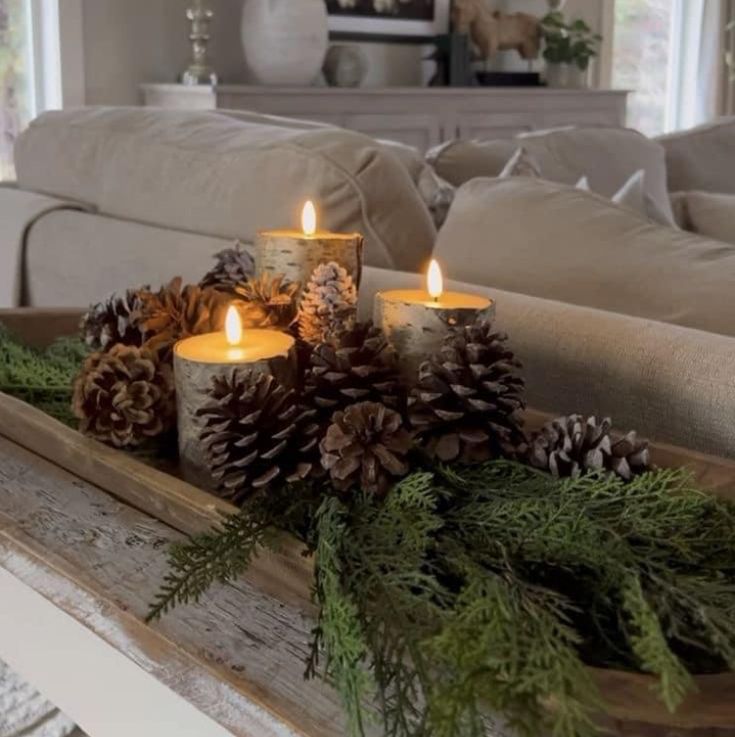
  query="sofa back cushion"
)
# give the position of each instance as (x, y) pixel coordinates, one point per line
(706, 213)
(557, 242)
(702, 158)
(608, 157)
(227, 177)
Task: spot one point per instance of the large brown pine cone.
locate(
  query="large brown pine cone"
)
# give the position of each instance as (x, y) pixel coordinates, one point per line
(234, 266)
(176, 312)
(366, 447)
(357, 366)
(328, 305)
(468, 400)
(113, 321)
(572, 446)
(268, 302)
(124, 397)
(257, 435)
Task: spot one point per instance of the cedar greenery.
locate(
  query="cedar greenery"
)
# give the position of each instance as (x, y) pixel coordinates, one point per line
(41, 378)
(473, 591)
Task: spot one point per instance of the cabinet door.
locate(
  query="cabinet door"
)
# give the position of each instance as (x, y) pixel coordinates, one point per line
(494, 125)
(420, 131)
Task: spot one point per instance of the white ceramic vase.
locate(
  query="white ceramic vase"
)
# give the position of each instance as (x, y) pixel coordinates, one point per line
(284, 41)
(567, 76)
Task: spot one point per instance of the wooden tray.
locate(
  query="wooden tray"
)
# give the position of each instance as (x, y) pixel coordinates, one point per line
(287, 575)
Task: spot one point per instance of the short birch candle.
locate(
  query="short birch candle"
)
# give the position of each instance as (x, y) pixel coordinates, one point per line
(198, 360)
(416, 321)
(295, 254)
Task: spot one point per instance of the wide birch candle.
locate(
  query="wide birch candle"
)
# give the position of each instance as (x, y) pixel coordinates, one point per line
(416, 321)
(198, 360)
(296, 253)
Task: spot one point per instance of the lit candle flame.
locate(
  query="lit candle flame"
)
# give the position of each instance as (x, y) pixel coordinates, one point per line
(233, 326)
(435, 281)
(308, 218)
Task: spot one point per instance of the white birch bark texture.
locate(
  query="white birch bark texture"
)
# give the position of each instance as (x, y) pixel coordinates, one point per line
(193, 381)
(416, 330)
(295, 257)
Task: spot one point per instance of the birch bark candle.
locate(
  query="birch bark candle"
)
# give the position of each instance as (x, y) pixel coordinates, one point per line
(200, 359)
(296, 254)
(416, 321)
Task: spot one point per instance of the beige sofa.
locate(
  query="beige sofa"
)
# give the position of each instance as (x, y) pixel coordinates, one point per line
(108, 198)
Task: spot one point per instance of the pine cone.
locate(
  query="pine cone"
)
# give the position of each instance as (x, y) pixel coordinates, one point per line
(124, 397)
(467, 402)
(174, 313)
(113, 321)
(257, 434)
(358, 366)
(572, 446)
(329, 304)
(234, 266)
(269, 302)
(366, 446)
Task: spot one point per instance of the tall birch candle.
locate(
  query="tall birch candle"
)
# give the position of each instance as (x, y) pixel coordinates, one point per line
(296, 253)
(198, 360)
(416, 321)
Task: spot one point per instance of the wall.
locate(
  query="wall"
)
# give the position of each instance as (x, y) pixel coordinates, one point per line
(128, 42)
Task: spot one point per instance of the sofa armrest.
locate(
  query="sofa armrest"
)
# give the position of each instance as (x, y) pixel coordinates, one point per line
(673, 384)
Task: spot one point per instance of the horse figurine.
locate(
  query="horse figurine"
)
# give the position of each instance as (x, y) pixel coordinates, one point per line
(493, 31)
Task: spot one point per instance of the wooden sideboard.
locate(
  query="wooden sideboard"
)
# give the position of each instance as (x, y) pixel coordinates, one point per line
(421, 117)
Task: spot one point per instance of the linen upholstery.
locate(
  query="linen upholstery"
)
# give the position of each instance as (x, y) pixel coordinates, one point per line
(549, 240)
(673, 384)
(19, 211)
(702, 158)
(210, 173)
(708, 214)
(608, 157)
(74, 259)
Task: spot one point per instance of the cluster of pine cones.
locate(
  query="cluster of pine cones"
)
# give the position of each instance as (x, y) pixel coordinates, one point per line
(353, 418)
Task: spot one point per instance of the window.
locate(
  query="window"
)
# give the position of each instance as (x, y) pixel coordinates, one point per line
(642, 60)
(671, 54)
(17, 85)
(30, 65)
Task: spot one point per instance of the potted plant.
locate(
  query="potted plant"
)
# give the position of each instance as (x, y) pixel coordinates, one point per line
(568, 50)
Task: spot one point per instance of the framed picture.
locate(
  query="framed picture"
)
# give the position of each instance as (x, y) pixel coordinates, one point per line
(390, 20)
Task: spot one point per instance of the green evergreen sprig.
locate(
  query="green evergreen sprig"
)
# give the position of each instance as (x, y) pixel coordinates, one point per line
(41, 378)
(489, 590)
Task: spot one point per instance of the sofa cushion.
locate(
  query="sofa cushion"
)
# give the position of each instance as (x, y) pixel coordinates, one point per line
(134, 255)
(226, 177)
(708, 214)
(702, 158)
(608, 157)
(558, 242)
(578, 359)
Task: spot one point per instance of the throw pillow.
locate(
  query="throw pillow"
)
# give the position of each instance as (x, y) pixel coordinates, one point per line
(632, 195)
(608, 156)
(548, 240)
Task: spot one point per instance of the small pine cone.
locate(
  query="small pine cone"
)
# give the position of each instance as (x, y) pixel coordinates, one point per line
(358, 366)
(572, 446)
(268, 302)
(124, 397)
(366, 446)
(467, 403)
(176, 312)
(113, 321)
(329, 304)
(257, 434)
(234, 266)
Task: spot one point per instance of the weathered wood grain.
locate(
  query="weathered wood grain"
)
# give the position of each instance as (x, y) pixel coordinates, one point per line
(238, 655)
(40, 327)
